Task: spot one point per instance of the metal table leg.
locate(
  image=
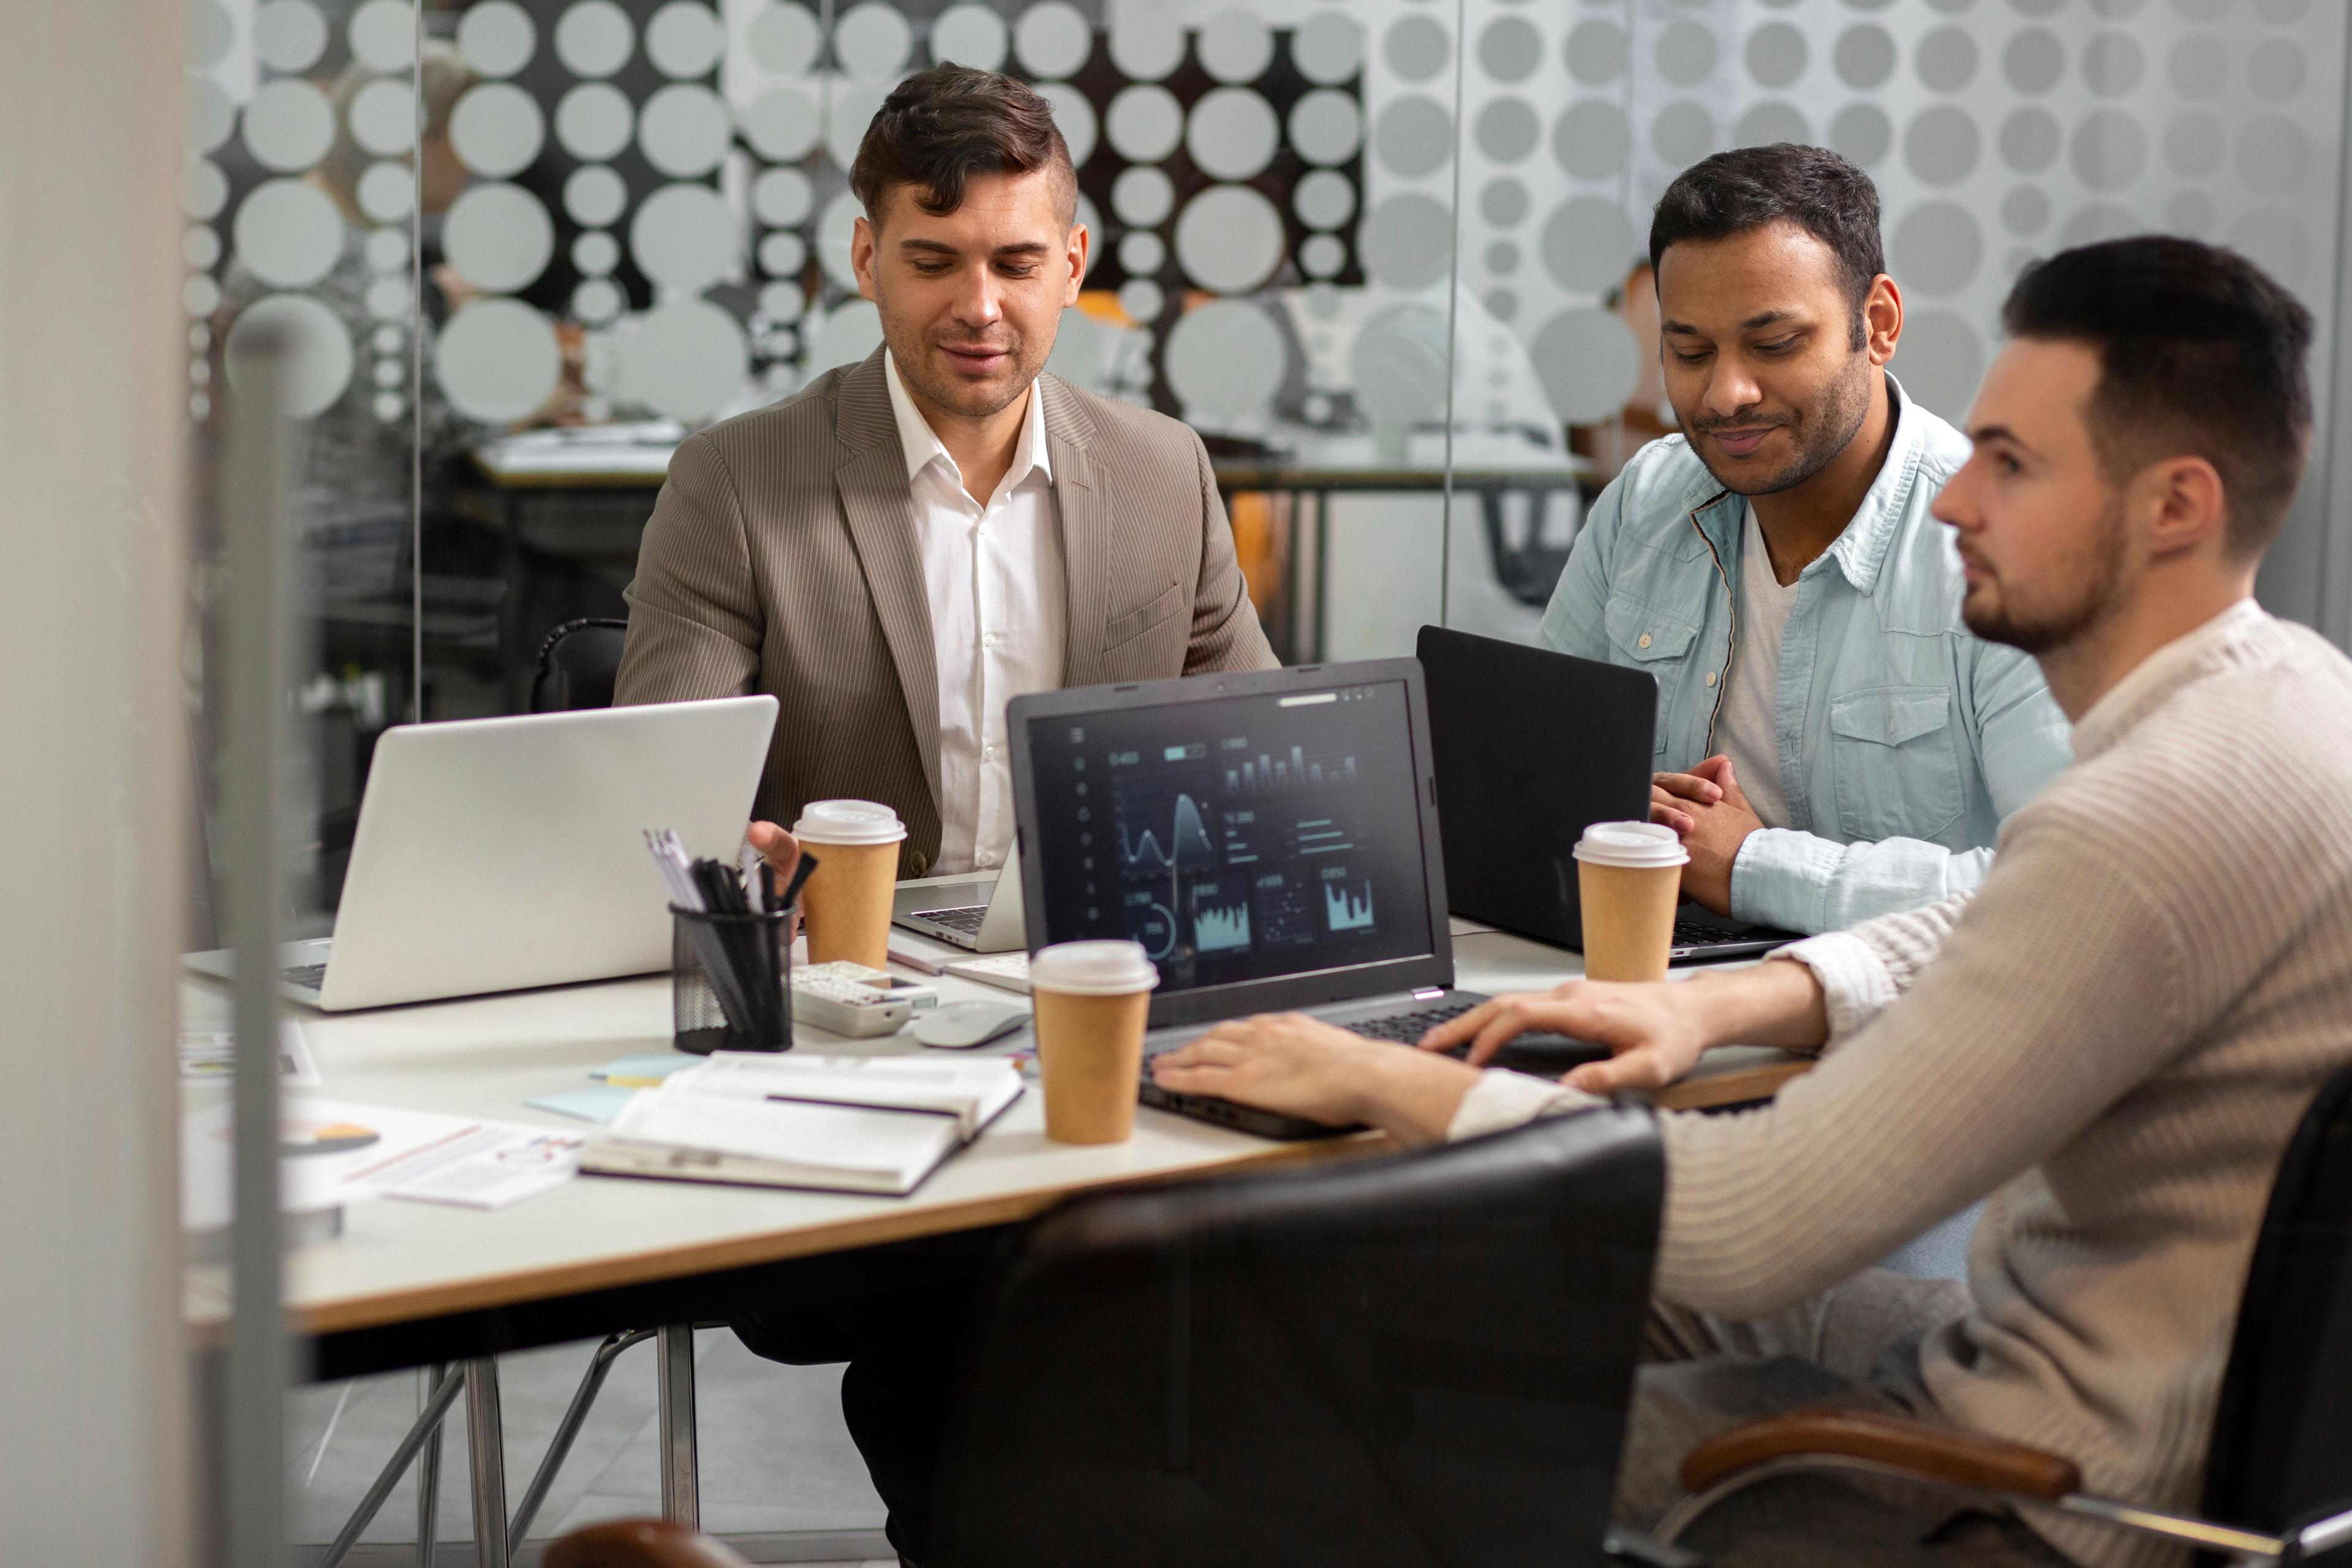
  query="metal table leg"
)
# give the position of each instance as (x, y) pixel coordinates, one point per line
(427, 1428)
(486, 1438)
(680, 1481)
(567, 1431)
(428, 1476)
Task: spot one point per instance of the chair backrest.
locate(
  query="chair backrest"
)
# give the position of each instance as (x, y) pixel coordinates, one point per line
(2282, 1431)
(1413, 1361)
(577, 666)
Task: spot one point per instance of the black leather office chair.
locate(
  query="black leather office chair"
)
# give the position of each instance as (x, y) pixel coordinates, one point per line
(577, 666)
(2278, 1479)
(1392, 1364)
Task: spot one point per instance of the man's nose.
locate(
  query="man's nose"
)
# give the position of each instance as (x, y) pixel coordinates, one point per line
(1731, 388)
(979, 303)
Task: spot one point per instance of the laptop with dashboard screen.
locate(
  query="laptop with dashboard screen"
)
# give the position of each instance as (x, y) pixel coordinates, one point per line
(1271, 838)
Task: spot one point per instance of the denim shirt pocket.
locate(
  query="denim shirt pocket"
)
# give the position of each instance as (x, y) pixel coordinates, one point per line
(1898, 775)
(1643, 637)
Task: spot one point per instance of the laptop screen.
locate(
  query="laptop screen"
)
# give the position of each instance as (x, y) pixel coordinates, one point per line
(1239, 837)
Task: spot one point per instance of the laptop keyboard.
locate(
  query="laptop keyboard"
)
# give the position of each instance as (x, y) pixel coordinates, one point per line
(1698, 934)
(311, 975)
(1407, 1028)
(966, 920)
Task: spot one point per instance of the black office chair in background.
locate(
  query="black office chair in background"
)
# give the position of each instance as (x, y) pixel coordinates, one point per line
(577, 666)
(2278, 1477)
(1414, 1361)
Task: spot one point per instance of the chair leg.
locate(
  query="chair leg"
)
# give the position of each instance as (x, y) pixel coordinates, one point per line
(428, 1481)
(486, 1438)
(680, 1479)
(428, 1425)
(567, 1432)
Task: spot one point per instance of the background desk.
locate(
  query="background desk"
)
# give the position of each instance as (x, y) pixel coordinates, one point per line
(590, 498)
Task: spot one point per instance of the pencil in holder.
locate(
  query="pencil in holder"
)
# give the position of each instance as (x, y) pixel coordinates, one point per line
(730, 981)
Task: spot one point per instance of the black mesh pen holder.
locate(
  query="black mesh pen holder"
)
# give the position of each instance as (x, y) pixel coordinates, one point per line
(731, 981)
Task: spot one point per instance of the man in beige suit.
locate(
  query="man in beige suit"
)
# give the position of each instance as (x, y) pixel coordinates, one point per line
(918, 538)
(895, 554)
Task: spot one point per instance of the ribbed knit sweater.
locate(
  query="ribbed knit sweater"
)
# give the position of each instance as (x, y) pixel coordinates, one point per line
(2115, 1038)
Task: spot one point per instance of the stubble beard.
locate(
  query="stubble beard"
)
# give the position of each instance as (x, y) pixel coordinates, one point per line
(2097, 586)
(1824, 430)
(965, 399)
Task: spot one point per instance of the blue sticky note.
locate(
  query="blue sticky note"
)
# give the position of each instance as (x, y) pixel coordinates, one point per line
(599, 1104)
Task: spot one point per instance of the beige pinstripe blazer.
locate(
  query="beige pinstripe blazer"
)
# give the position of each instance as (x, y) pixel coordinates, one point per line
(781, 557)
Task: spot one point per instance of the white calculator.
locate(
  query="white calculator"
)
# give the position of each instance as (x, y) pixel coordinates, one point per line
(851, 999)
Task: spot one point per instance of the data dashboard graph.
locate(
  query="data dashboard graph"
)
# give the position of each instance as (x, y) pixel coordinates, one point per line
(1347, 911)
(1229, 854)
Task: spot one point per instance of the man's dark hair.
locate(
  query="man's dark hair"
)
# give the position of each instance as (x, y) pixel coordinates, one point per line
(941, 126)
(1820, 193)
(2199, 354)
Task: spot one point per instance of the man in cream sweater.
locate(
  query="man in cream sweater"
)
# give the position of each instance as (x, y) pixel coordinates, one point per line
(2113, 1037)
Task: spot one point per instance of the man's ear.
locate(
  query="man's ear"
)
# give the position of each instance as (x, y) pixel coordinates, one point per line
(861, 257)
(2184, 503)
(1081, 242)
(1882, 319)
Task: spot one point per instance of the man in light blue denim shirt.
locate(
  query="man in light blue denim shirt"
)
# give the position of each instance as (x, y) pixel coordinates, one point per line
(1833, 743)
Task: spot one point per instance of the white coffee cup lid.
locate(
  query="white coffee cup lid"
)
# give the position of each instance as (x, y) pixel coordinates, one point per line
(848, 822)
(1094, 969)
(1637, 845)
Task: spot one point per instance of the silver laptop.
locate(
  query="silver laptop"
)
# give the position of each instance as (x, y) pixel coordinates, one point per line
(982, 914)
(496, 854)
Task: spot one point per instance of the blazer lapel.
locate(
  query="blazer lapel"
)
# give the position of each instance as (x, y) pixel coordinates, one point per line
(871, 477)
(1078, 504)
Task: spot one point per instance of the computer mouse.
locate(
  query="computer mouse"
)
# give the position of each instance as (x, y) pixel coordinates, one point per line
(959, 1026)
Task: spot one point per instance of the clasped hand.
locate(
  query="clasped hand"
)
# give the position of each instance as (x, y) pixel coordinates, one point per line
(1710, 811)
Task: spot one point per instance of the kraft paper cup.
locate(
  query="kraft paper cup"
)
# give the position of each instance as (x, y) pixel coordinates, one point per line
(1628, 877)
(847, 902)
(1090, 1000)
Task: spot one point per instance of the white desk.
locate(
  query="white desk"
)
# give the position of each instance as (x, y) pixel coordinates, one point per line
(407, 1284)
(402, 1262)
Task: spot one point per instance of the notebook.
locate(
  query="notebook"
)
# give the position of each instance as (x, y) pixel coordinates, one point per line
(849, 1124)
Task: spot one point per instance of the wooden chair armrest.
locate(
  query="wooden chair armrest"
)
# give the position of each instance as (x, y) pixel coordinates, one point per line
(1932, 1453)
(639, 1543)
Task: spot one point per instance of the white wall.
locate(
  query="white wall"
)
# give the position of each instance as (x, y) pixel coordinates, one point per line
(93, 1441)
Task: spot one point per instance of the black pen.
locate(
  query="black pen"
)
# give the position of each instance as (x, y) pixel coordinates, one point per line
(801, 874)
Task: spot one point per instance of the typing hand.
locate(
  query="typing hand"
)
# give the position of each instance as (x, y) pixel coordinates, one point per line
(1651, 1030)
(1709, 799)
(781, 849)
(1303, 1066)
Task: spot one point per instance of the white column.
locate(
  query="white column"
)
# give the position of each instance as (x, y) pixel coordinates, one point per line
(94, 1440)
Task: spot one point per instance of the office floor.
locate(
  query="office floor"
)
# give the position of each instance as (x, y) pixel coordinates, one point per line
(778, 1472)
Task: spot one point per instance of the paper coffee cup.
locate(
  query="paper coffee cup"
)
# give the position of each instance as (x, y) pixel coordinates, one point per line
(1629, 877)
(846, 903)
(1090, 999)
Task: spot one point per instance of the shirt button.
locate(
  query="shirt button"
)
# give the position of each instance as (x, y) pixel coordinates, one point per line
(988, 753)
(1646, 639)
(1710, 678)
(986, 860)
(989, 640)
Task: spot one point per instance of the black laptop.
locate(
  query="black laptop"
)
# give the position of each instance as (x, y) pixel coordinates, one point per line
(1532, 747)
(1271, 838)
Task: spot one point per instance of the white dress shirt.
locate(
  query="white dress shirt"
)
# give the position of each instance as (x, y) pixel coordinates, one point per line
(995, 579)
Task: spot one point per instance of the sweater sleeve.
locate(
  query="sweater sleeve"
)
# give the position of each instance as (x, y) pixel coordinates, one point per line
(2049, 995)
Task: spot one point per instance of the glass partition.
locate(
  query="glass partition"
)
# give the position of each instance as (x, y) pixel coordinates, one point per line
(1387, 257)
(1997, 131)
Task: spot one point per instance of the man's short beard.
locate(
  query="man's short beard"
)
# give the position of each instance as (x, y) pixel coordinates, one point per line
(916, 368)
(1828, 428)
(2094, 597)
